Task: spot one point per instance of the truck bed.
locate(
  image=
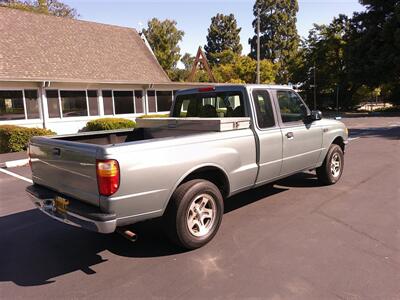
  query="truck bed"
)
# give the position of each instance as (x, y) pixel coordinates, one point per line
(158, 128)
(67, 163)
(121, 136)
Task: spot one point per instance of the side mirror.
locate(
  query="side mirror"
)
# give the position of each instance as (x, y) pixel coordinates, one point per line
(314, 115)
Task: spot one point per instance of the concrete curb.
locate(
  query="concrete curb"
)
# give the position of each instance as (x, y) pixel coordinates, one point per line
(15, 163)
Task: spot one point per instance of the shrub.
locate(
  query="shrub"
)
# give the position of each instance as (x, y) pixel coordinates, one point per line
(108, 124)
(16, 138)
(388, 109)
(153, 116)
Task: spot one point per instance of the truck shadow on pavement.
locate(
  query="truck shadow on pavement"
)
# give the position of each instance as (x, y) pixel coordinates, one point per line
(34, 249)
(391, 133)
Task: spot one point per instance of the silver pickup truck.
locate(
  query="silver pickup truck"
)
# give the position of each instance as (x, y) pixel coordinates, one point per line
(219, 141)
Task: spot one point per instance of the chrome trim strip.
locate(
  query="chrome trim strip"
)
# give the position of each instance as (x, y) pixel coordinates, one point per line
(137, 194)
(138, 215)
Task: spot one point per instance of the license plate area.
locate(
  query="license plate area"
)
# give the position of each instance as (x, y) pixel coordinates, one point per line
(61, 204)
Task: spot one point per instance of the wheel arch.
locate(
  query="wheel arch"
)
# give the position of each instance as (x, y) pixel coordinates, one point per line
(339, 140)
(211, 172)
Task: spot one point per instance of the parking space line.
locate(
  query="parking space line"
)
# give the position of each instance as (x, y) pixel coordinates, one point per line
(15, 175)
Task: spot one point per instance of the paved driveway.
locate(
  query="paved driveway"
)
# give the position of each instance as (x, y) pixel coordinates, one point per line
(291, 240)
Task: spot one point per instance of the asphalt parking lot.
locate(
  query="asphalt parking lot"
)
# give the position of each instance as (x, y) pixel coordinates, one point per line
(291, 240)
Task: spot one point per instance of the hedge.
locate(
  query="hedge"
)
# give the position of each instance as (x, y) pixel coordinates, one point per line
(150, 116)
(16, 138)
(108, 124)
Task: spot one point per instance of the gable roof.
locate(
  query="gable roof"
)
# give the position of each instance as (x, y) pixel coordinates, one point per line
(39, 47)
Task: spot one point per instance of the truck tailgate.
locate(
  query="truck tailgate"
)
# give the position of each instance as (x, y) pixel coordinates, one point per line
(66, 167)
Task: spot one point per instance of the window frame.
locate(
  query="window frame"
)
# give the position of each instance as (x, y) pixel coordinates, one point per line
(172, 100)
(274, 109)
(144, 94)
(133, 100)
(75, 90)
(278, 109)
(173, 92)
(60, 103)
(22, 90)
(87, 103)
(274, 115)
(241, 93)
(98, 102)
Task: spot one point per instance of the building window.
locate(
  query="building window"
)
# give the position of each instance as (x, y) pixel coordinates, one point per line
(159, 101)
(32, 104)
(93, 103)
(73, 103)
(151, 100)
(164, 100)
(108, 102)
(11, 105)
(123, 102)
(18, 105)
(139, 102)
(53, 103)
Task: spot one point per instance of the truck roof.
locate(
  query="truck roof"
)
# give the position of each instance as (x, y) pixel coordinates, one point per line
(225, 86)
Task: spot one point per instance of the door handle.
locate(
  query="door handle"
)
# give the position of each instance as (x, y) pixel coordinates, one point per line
(290, 135)
(56, 151)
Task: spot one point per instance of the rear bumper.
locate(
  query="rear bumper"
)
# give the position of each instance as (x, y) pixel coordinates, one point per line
(76, 213)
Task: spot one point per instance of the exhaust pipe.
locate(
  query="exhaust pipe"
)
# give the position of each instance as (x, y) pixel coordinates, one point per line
(131, 236)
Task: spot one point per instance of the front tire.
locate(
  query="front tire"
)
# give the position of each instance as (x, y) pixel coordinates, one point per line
(194, 213)
(332, 168)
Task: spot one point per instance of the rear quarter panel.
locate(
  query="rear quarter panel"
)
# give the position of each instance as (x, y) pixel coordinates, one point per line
(151, 170)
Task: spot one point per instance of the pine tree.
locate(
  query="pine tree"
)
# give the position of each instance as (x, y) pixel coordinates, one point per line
(279, 40)
(223, 34)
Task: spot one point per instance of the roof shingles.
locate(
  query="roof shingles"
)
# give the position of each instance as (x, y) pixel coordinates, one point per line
(41, 47)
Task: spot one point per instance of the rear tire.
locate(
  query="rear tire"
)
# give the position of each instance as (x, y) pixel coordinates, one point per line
(194, 213)
(332, 168)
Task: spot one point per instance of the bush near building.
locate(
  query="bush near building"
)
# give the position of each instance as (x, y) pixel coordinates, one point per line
(108, 124)
(151, 116)
(16, 138)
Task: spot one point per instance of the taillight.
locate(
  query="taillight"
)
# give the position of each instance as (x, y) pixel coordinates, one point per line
(107, 176)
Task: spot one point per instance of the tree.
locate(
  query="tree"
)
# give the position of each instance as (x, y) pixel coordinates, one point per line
(278, 34)
(164, 37)
(48, 7)
(187, 60)
(179, 74)
(374, 56)
(326, 50)
(223, 34)
(235, 68)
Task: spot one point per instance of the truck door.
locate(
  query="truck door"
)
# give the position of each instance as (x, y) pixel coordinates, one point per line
(302, 141)
(269, 137)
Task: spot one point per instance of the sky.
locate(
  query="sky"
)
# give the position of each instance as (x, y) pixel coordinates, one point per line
(194, 16)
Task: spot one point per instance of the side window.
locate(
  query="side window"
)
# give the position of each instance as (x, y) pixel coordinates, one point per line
(291, 106)
(265, 115)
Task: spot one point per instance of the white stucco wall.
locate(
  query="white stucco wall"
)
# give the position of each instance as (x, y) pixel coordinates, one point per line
(69, 125)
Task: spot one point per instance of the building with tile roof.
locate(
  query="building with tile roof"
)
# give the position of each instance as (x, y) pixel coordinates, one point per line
(59, 73)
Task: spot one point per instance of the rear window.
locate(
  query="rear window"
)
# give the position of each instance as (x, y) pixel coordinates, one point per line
(210, 105)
